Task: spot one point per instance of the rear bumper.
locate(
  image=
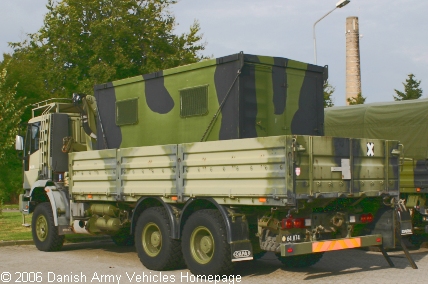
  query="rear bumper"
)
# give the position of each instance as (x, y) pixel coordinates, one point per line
(289, 249)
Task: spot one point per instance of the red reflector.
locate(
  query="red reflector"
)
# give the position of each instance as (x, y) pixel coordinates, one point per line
(369, 217)
(418, 189)
(378, 240)
(363, 218)
(287, 223)
(299, 223)
(290, 250)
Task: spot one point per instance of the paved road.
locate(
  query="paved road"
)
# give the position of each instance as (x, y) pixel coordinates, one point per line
(103, 262)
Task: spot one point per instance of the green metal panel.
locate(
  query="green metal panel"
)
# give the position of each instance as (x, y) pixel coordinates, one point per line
(407, 176)
(333, 167)
(93, 175)
(235, 168)
(148, 171)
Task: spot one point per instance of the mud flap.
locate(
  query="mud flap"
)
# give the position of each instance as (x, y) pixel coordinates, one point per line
(241, 250)
(405, 227)
(384, 224)
(405, 221)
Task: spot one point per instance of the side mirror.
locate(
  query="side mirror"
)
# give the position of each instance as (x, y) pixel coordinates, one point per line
(19, 143)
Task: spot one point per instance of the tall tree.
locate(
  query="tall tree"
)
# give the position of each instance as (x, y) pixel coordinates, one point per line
(358, 100)
(25, 78)
(328, 92)
(411, 89)
(84, 42)
(11, 109)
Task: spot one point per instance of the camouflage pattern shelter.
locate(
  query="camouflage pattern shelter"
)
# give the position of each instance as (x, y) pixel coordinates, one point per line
(232, 97)
(406, 121)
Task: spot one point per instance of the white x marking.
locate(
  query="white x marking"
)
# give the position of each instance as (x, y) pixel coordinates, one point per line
(370, 149)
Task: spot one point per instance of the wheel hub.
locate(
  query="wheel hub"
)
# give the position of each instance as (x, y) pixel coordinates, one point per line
(155, 239)
(42, 228)
(152, 239)
(202, 245)
(206, 244)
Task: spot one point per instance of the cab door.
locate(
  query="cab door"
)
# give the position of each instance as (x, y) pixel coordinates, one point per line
(31, 161)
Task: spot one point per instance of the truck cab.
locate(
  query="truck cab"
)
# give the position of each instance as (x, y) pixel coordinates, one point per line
(54, 130)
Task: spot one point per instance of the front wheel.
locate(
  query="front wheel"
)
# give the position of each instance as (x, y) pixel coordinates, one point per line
(155, 247)
(204, 242)
(45, 234)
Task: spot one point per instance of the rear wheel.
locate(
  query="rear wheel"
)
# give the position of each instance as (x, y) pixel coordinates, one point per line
(45, 234)
(300, 261)
(205, 247)
(155, 247)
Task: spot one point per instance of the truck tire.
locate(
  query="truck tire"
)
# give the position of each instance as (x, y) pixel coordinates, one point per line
(204, 242)
(155, 247)
(45, 234)
(300, 261)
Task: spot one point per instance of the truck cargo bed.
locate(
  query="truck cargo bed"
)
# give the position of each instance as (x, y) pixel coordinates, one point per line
(274, 170)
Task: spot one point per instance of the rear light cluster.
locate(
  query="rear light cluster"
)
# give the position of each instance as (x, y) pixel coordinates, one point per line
(363, 218)
(366, 218)
(290, 223)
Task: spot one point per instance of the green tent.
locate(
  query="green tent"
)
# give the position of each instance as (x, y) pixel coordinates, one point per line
(406, 121)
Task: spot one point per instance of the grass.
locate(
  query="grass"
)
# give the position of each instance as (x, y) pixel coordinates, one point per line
(12, 230)
(10, 207)
(11, 227)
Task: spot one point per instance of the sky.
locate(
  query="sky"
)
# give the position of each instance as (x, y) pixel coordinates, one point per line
(393, 35)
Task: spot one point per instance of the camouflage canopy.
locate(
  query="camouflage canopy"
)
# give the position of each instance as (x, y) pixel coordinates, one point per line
(406, 121)
(231, 97)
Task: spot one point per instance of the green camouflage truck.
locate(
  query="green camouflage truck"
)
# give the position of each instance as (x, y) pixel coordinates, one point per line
(405, 121)
(206, 165)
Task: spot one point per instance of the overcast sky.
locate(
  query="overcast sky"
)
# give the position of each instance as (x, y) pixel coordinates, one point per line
(394, 35)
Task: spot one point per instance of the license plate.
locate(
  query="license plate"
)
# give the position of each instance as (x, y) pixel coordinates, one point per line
(291, 238)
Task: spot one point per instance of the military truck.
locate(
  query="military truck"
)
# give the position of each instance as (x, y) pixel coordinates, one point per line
(206, 165)
(405, 121)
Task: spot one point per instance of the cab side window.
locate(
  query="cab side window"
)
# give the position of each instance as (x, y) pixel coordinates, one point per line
(32, 139)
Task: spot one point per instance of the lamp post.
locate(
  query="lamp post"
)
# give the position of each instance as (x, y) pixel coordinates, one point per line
(340, 4)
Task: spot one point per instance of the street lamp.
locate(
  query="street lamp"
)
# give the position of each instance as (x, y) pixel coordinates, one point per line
(340, 4)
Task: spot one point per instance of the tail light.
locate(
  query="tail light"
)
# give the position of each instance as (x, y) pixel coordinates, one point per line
(287, 223)
(366, 218)
(299, 223)
(293, 223)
